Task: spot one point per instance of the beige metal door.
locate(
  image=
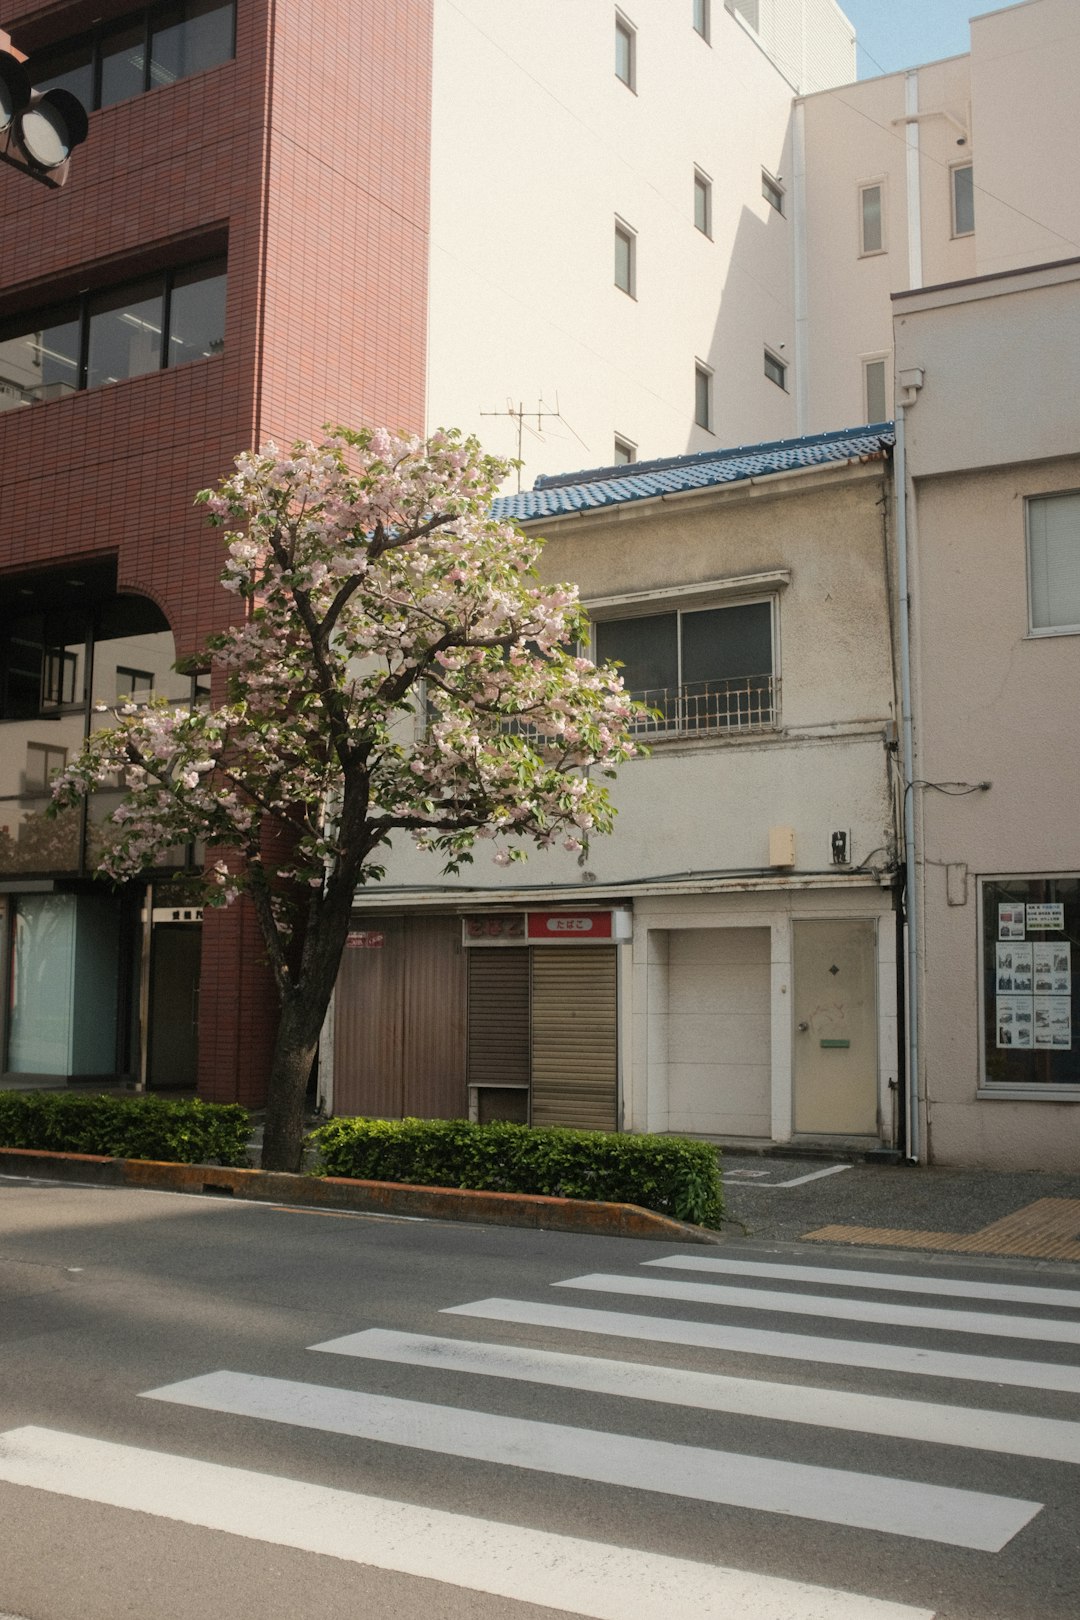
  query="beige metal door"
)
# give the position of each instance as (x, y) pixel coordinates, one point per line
(835, 1040)
(574, 1037)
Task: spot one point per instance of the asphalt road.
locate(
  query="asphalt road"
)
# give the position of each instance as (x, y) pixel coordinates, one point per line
(520, 1425)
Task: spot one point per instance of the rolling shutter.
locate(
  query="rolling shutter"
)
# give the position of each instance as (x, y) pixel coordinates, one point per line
(498, 1017)
(574, 1037)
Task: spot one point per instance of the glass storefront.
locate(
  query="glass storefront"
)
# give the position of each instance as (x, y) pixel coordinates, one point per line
(1031, 982)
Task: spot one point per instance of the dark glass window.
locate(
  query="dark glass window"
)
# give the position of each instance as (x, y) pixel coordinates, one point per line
(153, 46)
(701, 669)
(110, 335)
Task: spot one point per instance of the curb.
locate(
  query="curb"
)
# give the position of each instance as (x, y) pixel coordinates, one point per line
(540, 1213)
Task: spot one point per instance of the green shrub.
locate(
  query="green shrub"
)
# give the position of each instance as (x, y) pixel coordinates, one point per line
(665, 1173)
(181, 1132)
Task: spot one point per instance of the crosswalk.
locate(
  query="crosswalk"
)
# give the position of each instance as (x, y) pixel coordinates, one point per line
(640, 1308)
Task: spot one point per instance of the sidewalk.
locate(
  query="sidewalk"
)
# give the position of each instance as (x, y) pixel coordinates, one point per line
(1024, 1214)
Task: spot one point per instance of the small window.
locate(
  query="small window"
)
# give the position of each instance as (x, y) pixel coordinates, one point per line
(702, 669)
(134, 685)
(43, 760)
(625, 452)
(703, 397)
(871, 219)
(1031, 982)
(775, 369)
(1053, 542)
(875, 400)
(702, 203)
(772, 191)
(625, 259)
(702, 19)
(963, 200)
(625, 52)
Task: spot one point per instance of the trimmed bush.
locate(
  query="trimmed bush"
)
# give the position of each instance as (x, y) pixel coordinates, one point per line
(665, 1173)
(180, 1132)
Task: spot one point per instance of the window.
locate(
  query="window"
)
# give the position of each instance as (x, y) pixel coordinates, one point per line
(625, 259)
(625, 52)
(133, 685)
(875, 397)
(775, 369)
(703, 397)
(141, 51)
(165, 320)
(701, 669)
(702, 203)
(42, 763)
(871, 219)
(625, 452)
(772, 191)
(702, 19)
(1053, 547)
(963, 200)
(1031, 983)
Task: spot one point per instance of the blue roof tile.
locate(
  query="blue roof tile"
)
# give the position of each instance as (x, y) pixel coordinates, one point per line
(644, 480)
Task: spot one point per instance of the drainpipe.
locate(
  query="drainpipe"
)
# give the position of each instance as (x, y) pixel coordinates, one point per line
(910, 382)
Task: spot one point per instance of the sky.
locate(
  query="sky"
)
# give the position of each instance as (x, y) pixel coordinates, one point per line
(895, 34)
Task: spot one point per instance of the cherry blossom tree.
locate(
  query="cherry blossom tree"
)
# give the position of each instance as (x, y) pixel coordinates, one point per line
(397, 670)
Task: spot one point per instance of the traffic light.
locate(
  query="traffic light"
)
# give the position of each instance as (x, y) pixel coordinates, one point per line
(38, 128)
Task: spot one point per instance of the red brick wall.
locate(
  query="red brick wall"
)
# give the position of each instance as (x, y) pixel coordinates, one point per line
(311, 150)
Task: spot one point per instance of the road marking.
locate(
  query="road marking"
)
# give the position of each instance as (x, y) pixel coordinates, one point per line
(790, 1346)
(886, 1281)
(529, 1566)
(800, 1181)
(837, 1308)
(940, 1513)
(928, 1422)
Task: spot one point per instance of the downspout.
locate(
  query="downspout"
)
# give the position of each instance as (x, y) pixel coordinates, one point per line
(910, 382)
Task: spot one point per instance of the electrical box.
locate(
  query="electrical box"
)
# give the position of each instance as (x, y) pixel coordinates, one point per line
(840, 847)
(781, 846)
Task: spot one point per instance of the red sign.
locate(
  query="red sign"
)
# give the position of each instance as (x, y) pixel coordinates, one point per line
(369, 939)
(569, 926)
(486, 929)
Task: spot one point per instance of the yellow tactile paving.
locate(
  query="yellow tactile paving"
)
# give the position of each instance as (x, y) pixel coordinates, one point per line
(1049, 1229)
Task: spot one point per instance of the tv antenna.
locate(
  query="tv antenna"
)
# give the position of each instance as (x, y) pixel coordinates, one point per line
(524, 419)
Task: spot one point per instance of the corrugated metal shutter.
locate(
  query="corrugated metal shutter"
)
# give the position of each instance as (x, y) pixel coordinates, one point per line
(498, 1016)
(574, 1037)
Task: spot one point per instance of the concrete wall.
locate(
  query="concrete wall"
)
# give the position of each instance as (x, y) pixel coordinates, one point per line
(993, 703)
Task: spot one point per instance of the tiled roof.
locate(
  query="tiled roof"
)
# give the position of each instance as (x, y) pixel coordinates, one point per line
(644, 480)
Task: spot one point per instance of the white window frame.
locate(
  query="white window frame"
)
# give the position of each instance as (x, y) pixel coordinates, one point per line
(777, 365)
(702, 20)
(625, 29)
(703, 190)
(864, 187)
(1030, 502)
(1002, 1090)
(626, 233)
(701, 370)
(881, 360)
(956, 169)
(773, 192)
(625, 451)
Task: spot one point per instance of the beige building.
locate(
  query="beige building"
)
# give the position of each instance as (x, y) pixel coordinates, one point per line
(725, 964)
(991, 436)
(950, 170)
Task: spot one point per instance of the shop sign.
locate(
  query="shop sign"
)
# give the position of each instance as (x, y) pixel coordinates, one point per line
(570, 927)
(366, 939)
(1046, 914)
(495, 929)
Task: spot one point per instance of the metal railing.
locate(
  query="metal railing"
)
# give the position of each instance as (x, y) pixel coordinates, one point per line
(746, 703)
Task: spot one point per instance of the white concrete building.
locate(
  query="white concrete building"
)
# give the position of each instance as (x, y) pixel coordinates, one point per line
(726, 963)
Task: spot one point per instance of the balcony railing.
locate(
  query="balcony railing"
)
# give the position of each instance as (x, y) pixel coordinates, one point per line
(746, 703)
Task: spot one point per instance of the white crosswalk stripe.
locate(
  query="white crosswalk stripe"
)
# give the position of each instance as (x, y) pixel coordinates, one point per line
(611, 1583)
(928, 1422)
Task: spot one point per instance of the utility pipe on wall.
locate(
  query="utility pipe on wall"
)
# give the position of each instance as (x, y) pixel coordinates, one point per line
(910, 382)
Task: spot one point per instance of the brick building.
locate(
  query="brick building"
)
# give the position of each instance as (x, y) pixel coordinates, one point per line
(241, 254)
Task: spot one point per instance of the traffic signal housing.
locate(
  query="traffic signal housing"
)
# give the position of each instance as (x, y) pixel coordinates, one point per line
(39, 129)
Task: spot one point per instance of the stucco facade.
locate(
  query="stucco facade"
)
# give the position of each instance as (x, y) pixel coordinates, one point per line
(996, 674)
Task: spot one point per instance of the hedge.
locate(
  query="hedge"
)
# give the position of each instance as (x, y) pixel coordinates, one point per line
(180, 1132)
(669, 1174)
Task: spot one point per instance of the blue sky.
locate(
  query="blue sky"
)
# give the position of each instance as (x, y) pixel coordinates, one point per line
(896, 34)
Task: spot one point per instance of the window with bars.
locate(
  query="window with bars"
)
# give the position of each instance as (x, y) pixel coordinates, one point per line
(696, 669)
